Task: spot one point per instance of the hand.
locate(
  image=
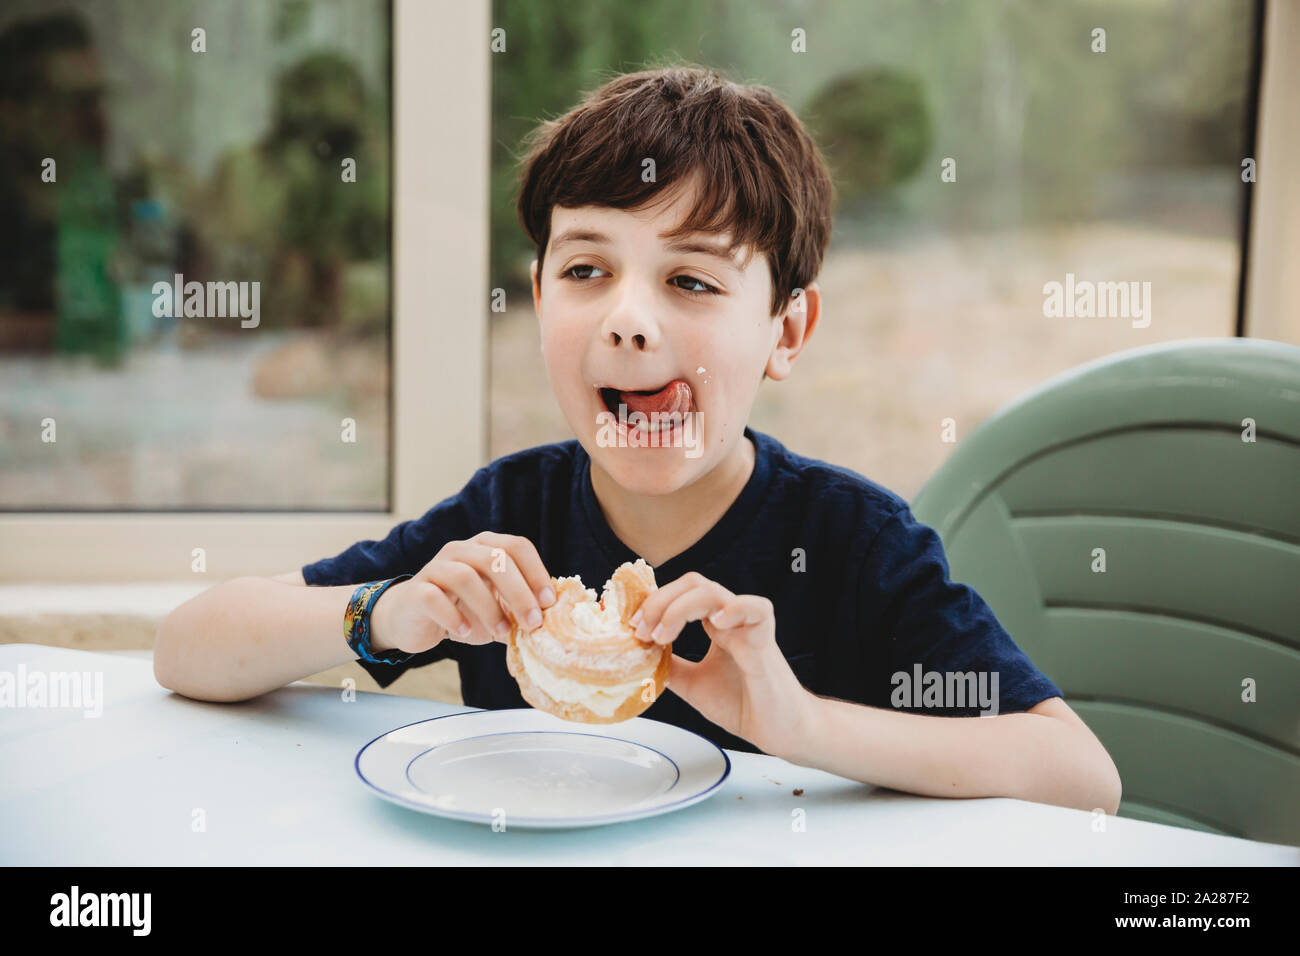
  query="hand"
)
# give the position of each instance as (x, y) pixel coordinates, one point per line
(743, 684)
(463, 594)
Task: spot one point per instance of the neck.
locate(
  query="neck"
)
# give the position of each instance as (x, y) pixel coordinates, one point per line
(658, 527)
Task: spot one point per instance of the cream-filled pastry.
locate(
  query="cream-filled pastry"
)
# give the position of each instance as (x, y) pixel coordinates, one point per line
(585, 663)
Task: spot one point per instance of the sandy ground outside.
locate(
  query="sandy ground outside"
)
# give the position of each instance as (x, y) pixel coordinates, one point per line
(199, 427)
(942, 327)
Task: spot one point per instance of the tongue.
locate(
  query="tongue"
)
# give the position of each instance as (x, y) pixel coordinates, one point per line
(675, 397)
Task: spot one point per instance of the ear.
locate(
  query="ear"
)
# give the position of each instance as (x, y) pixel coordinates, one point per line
(794, 330)
(537, 289)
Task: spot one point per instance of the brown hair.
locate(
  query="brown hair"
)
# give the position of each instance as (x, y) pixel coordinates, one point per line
(764, 180)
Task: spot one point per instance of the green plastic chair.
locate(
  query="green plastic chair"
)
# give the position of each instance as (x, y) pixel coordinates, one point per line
(1141, 454)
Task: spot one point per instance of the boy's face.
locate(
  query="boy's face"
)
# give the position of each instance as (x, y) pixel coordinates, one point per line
(617, 313)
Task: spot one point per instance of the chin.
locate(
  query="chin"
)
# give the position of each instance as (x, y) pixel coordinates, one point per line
(642, 462)
(648, 471)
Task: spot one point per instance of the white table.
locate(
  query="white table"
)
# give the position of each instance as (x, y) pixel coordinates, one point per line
(274, 778)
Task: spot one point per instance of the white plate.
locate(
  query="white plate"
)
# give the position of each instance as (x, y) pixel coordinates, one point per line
(528, 768)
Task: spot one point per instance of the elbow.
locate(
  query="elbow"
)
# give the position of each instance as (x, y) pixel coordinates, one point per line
(178, 650)
(178, 665)
(1085, 778)
(169, 656)
(162, 656)
(1100, 787)
(1112, 788)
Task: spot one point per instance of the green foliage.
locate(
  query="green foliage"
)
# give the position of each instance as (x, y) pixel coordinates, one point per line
(873, 127)
(1041, 127)
(554, 53)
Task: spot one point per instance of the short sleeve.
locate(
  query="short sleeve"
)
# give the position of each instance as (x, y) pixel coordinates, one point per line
(408, 547)
(948, 654)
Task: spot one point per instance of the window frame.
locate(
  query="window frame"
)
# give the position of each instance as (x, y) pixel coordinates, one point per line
(439, 360)
(1271, 291)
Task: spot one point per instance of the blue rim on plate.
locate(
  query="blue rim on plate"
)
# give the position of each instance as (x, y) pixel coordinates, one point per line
(543, 822)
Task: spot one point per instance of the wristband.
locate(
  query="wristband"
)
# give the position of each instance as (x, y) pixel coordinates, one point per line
(356, 622)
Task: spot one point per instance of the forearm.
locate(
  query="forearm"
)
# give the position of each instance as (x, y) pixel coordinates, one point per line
(1027, 756)
(251, 635)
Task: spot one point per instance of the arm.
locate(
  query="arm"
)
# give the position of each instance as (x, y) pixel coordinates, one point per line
(1045, 754)
(745, 685)
(250, 635)
(1035, 749)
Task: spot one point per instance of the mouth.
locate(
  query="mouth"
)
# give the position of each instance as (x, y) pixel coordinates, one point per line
(664, 407)
(674, 397)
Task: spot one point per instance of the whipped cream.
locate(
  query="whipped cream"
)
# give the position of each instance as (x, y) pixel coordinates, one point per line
(593, 621)
(599, 700)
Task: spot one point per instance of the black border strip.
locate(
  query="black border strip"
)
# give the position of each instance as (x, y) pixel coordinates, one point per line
(1250, 141)
(391, 497)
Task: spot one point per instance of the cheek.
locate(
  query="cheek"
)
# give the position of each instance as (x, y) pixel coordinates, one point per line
(562, 351)
(734, 360)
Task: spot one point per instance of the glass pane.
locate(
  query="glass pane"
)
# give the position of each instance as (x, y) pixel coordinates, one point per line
(195, 264)
(1071, 165)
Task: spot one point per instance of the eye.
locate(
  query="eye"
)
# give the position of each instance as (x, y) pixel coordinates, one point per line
(567, 272)
(707, 290)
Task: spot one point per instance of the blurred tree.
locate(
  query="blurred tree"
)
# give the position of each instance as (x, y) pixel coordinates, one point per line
(1042, 127)
(554, 53)
(874, 128)
(60, 236)
(281, 208)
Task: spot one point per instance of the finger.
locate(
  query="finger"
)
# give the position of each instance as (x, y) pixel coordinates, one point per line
(473, 593)
(652, 608)
(519, 597)
(480, 635)
(479, 632)
(693, 605)
(498, 569)
(529, 562)
(444, 612)
(743, 610)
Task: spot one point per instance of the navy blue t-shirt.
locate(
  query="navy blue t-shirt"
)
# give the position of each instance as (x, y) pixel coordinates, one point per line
(860, 588)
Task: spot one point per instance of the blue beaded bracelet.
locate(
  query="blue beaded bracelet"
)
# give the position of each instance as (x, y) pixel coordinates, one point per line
(356, 622)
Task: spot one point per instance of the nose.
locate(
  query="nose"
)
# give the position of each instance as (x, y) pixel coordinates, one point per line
(630, 322)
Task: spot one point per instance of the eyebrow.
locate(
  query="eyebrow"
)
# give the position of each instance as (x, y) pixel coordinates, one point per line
(684, 245)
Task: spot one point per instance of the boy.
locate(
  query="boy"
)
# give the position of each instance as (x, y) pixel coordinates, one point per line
(680, 221)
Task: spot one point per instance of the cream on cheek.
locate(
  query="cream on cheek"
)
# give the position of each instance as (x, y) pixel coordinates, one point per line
(733, 359)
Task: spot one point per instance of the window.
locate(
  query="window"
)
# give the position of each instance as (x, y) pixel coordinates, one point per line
(982, 152)
(233, 436)
(195, 288)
